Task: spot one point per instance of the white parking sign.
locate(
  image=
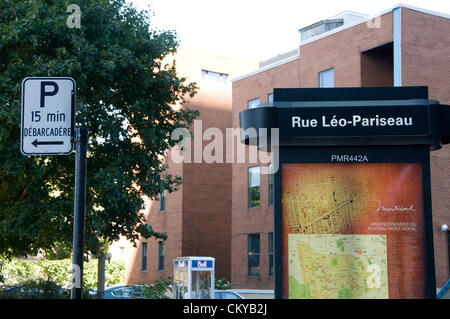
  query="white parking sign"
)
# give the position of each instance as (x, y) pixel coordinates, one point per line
(48, 116)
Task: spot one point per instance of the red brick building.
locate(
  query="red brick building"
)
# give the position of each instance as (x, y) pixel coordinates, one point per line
(402, 46)
(196, 217)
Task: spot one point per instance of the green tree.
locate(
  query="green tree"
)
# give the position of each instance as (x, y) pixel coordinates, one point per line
(124, 91)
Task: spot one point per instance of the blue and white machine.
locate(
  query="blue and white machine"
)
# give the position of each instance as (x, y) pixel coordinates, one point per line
(193, 278)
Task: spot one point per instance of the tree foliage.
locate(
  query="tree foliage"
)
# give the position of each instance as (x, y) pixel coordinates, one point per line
(125, 94)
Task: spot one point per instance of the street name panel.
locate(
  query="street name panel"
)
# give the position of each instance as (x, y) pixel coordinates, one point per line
(47, 116)
(354, 121)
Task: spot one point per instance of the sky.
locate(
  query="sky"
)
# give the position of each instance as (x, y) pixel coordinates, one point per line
(257, 29)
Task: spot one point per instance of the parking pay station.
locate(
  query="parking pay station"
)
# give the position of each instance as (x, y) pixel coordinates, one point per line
(193, 278)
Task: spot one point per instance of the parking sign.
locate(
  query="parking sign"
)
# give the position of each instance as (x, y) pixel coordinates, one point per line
(47, 115)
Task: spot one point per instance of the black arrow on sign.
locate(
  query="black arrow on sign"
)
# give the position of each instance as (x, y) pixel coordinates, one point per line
(36, 143)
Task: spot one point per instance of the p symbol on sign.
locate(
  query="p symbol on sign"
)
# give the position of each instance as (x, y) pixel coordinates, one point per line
(45, 93)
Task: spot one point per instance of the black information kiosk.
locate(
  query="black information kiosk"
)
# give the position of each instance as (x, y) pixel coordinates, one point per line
(352, 213)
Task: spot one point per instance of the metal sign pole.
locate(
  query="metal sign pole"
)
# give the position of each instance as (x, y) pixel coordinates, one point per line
(81, 140)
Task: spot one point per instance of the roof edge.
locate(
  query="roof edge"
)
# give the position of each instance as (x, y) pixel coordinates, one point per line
(267, 67)
(333, 31)
(427, 11)
(371, 17)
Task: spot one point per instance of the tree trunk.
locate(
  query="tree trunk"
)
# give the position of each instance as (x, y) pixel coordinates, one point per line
(101, 275)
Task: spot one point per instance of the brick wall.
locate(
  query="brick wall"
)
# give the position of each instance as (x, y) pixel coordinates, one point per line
(168, 221)
(254, 220)
(342, 51)
(426, 61)
(198, 215)
(207, 190)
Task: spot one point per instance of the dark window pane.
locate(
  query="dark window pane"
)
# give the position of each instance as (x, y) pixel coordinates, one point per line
(161, 255)
(254, 197)
(253, 266)
(253, 255)
(162, 201)
(271, 187)
(271, 261)
(143, 256)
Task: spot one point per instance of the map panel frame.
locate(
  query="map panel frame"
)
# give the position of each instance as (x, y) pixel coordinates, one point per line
(370, 154)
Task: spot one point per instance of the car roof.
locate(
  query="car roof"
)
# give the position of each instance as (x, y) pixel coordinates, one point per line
(113, 287)
(226, 290)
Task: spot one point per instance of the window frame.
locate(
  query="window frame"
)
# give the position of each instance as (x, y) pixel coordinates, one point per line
(271, 271)
(161, 258)
(271, 186)
(214, 80)
(323, 72)
(253, 103)
(252, 254)
(249, 188)
(144, 256)
(162, 198)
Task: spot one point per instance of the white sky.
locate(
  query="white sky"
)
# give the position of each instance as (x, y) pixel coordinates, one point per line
(257, 29)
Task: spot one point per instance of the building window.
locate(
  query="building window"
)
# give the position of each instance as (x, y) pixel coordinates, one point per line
(214, 80)
(270, 98)
(448, 241)
(214, 76)
(161, 255)
(253, 103)
(162, 201)
(253, 255)
(326, 78)
(271, 262)
(271, 177)
(144, 252)
(254, 182)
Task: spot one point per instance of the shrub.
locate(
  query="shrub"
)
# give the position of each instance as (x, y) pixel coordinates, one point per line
(56, 270)
(115, 272)
(16, 271)
(158, 290)
(35, 289)
(59, 271)
(222, 284)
